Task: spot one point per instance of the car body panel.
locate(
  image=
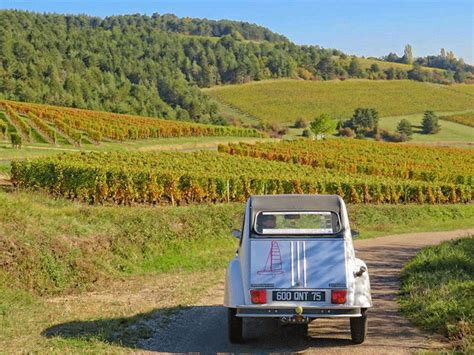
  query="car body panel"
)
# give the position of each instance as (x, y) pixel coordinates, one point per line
(330, 264)
(299, 263)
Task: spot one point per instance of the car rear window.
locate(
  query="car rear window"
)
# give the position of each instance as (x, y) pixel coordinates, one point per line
(297, 223)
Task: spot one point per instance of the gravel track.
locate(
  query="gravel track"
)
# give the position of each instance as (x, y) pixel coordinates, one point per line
(203, 327)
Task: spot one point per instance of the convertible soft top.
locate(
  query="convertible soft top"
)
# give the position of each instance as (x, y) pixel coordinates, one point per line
(330, 203)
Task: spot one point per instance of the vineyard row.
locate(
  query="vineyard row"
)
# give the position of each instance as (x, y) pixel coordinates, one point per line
(97, 126)
(410, 162)
(179, 178)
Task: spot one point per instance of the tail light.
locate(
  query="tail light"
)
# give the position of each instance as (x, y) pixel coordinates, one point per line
(258, 296)
(338, 296)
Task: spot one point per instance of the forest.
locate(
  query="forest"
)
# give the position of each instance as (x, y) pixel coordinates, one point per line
(155, 65)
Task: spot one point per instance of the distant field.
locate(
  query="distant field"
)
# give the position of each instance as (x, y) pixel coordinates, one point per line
(450, 131)
(366, 63)
(465, 88)
(466, 119)
(285, 100)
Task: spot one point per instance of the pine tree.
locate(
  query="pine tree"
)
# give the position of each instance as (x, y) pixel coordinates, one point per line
(430, 123)
(404, 127)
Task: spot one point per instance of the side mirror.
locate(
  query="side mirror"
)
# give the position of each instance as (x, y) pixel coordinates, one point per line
(355, 233)
(236, 233)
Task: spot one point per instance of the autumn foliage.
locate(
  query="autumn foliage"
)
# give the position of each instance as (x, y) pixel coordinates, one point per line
(97, 126)
(180, 178)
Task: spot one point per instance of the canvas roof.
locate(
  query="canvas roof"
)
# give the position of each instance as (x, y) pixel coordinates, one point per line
(260, 203)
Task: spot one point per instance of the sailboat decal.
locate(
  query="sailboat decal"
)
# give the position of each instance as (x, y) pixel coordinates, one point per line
(273, 265)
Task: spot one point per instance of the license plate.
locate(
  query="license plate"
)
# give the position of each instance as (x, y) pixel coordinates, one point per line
(303, 296)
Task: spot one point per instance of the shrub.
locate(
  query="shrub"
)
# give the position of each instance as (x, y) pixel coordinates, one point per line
(15, 139)
(395, 137)
(374, 68)
(300, 123)
(430, 123)
(304, 74)
(219, 121)
(323, 124)
(364, 122)
(404, 127)
(346, 132)
(3, 128)
(275, 130)
(307, 133)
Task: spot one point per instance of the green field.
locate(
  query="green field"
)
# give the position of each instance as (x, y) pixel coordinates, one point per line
(286, 100)
(450, 133)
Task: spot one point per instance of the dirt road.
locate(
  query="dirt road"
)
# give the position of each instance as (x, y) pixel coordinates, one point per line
(203, 328)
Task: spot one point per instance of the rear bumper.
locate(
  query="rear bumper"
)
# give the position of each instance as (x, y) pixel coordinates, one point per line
(308, 312)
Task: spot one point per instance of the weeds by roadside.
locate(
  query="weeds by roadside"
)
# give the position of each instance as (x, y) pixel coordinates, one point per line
(438, 291)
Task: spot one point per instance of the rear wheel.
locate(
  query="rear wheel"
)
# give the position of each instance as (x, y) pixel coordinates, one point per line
(359, 327)
(234, 324)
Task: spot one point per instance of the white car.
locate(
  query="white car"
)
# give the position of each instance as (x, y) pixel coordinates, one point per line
(296, 263)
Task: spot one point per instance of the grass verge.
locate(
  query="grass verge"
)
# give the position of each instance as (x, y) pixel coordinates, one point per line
(438, 291)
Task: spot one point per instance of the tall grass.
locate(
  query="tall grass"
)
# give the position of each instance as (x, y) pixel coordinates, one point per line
(438, 291)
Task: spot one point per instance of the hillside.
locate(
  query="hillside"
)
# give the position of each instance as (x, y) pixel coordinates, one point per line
(465, 88)
(286, 100)
(154, 65)
(36, 123)
(147, 65)
(383, 65)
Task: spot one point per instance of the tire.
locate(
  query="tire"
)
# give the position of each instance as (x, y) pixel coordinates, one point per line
(234, 325)
(359, 328)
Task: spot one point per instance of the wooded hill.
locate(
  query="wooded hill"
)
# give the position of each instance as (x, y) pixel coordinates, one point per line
(153, 65)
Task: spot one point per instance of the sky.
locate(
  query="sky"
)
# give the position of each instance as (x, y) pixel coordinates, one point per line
(360, 27)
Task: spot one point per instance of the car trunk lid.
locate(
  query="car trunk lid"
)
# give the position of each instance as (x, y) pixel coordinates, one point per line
(316, 263)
